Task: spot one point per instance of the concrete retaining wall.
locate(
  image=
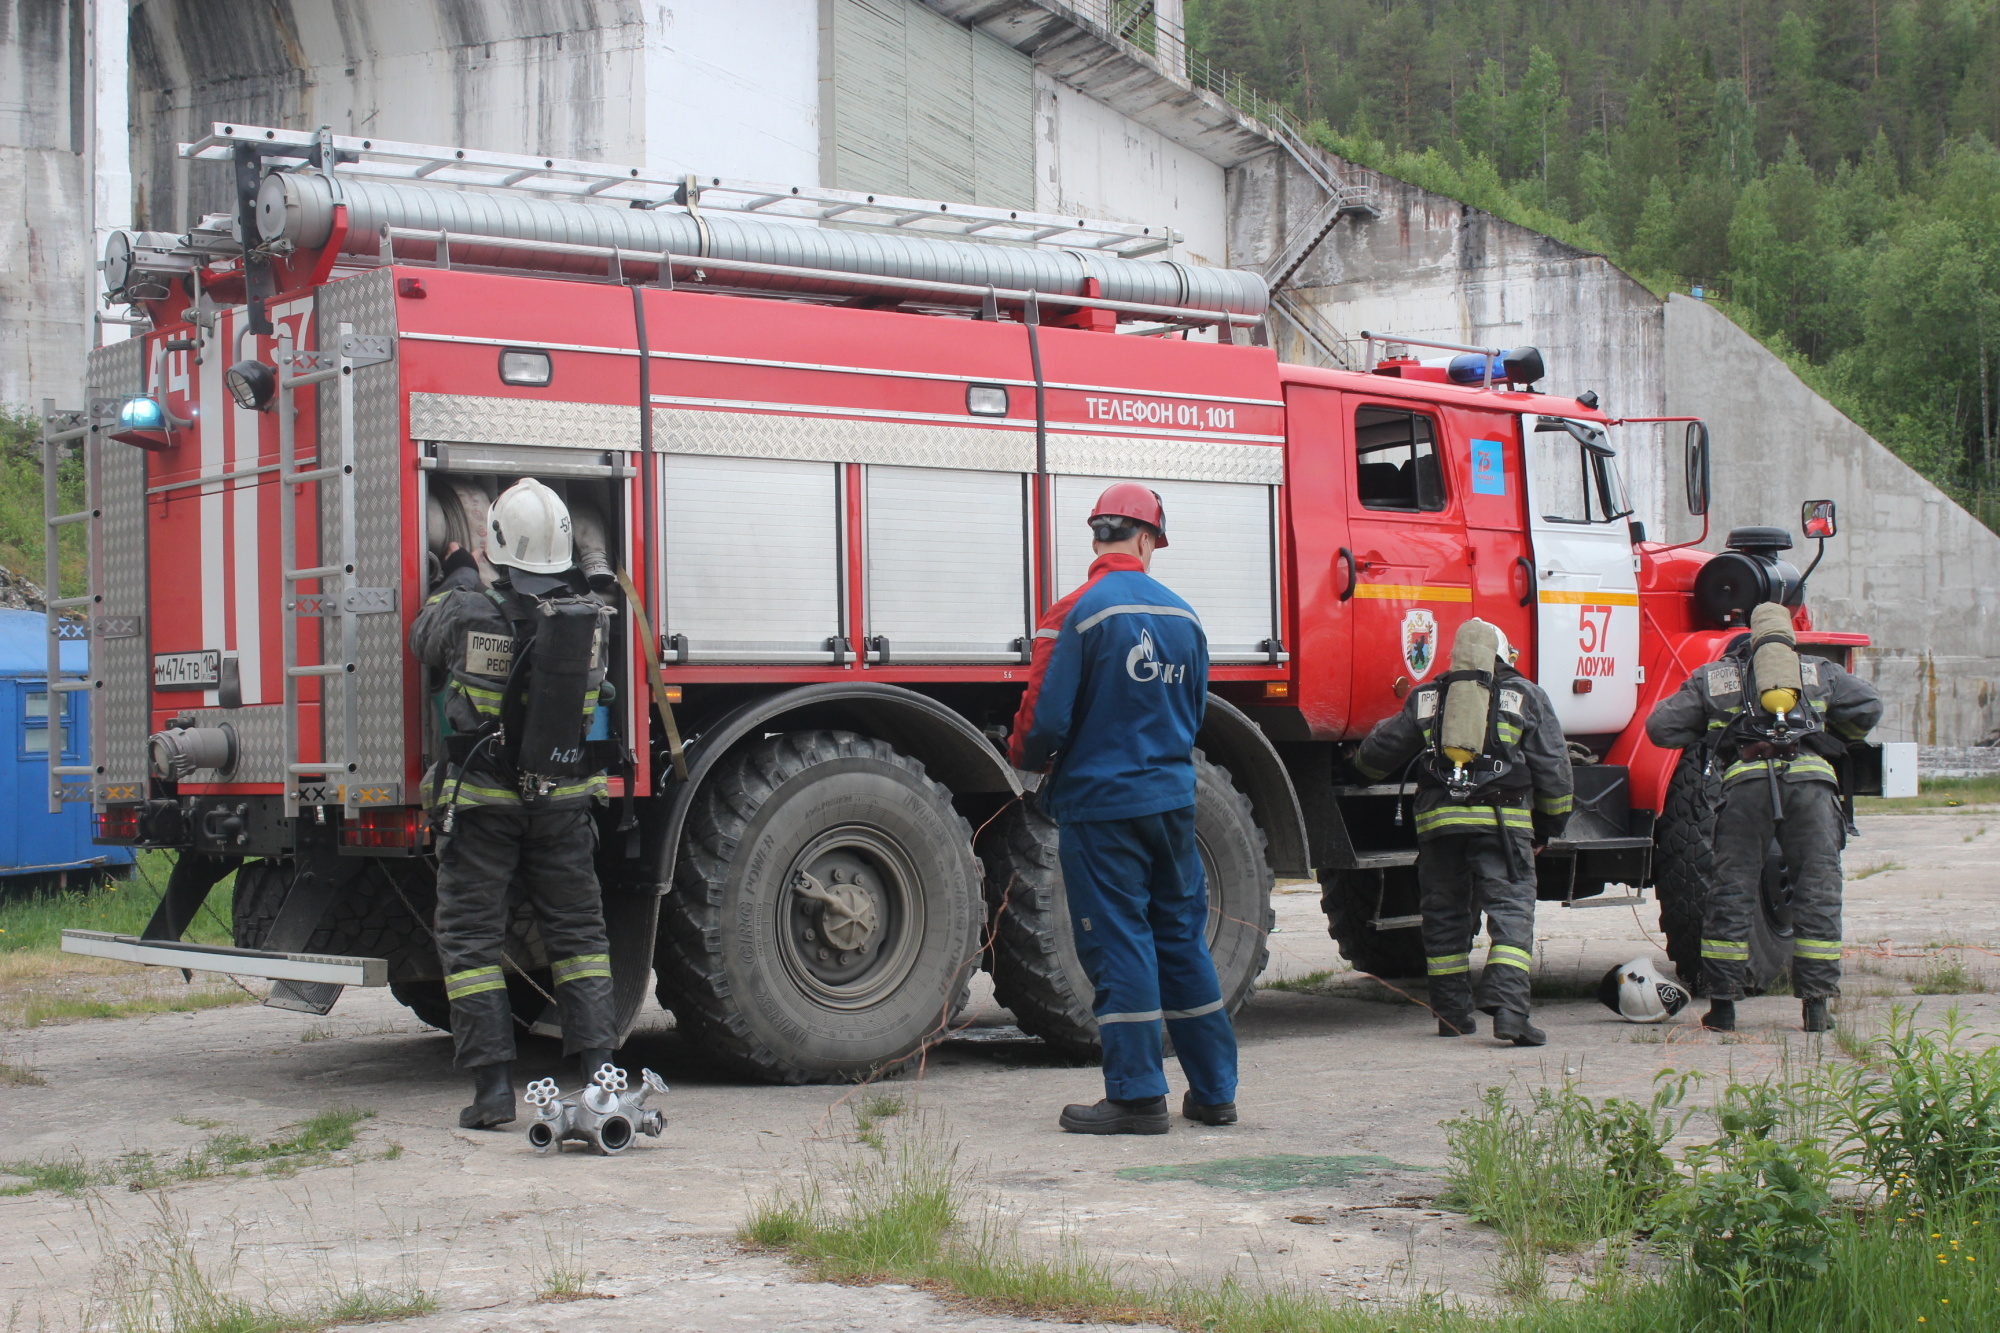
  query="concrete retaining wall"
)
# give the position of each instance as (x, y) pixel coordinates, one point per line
(1910, 568)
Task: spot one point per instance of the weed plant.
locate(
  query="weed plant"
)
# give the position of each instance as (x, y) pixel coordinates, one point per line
(1850, 1198)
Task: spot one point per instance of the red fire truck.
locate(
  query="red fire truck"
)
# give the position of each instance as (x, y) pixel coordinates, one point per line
(831, 454)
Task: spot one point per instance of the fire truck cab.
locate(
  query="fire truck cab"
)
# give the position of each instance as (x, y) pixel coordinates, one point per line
(830, 472)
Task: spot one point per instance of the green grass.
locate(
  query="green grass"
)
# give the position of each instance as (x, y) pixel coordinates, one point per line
(1742, 1235)
(1883, 868)
(162, 1285)
(1936, 793)
(311, 1142)
(35, 925)
(1947, 976)
(61, 1009)
(16, 1075)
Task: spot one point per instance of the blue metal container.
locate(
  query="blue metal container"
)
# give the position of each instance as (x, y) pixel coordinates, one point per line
(38, 849)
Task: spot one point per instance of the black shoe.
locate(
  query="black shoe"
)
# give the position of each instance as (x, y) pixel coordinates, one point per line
(1814, 1017)
(1222, 1113)
(589, 1062)
(1117, 1117)
(492, 1098)
(1457, 1025)
(1515, 1027)
(1721, 1016)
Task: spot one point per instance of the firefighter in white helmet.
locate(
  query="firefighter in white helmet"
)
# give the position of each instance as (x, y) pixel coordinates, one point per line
(512, 795)
(1493, 785)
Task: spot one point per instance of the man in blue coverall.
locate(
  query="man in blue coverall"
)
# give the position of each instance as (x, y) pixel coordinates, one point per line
(1115, 697)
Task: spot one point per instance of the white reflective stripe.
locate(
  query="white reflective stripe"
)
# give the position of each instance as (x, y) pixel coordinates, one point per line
(1048, 634)
(1150, 1016)
(1136, 610)
(1196, 1012)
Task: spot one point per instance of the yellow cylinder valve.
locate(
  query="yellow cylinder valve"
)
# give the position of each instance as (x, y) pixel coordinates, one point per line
(1779, 701)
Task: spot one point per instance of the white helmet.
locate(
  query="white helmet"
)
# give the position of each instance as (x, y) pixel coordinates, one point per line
(1505, 651)
(1636, 992)
(527, 529)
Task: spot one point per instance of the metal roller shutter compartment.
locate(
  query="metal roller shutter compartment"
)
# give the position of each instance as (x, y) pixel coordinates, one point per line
(1220, 559)
(752, 548)
(947, 579)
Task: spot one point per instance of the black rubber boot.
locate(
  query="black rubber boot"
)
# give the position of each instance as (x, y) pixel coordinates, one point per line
(1509, 1025)
(1814, 1017)
(589, 1062)
(492, 1098)
(1721, 1016)
(1223, 1113)
(1451, 1001)
(1117, 1117)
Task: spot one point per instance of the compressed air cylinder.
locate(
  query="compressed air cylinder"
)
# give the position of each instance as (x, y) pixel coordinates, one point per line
(559, 677)
(1467, 702)
(1774, 666)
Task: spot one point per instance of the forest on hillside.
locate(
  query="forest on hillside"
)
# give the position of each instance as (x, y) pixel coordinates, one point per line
(1825, 169)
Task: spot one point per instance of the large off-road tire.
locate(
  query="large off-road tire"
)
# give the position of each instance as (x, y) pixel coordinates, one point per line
(1036, 971)
(1684, 867)
(1351, 900)
(739, 959)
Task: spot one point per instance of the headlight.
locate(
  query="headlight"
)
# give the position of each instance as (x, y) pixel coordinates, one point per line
(986, 400)
(252, 383)
(520, 366)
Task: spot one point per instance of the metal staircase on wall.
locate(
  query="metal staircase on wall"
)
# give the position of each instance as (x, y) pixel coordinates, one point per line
(62, 430)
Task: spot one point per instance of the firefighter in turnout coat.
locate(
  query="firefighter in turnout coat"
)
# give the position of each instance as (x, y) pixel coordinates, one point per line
(1775, 720)
(496, 829)
(1488, 798)
(1116, 695)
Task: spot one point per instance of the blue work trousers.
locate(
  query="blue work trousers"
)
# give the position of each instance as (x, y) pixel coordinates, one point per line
(1138, 904)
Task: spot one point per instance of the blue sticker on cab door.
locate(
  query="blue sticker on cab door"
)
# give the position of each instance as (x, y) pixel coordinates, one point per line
(1489, 467)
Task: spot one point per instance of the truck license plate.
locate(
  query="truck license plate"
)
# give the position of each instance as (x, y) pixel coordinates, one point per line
(187, 671)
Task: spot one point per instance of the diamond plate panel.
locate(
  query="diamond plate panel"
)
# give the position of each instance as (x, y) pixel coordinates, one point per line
(827, 440)
(1166, 460)
(449, 418)
(368, 303)
(120, 712)
(260, 742)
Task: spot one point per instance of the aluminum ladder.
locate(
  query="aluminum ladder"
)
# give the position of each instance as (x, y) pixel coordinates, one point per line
(298, 369)
(60, 429)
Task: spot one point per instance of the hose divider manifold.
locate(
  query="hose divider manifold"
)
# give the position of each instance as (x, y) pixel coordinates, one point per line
(604, 1115)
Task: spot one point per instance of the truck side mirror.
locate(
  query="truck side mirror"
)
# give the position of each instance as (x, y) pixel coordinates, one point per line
(1697, 468)
(1816, 517)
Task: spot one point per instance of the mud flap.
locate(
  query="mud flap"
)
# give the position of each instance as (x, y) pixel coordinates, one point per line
(313, 892)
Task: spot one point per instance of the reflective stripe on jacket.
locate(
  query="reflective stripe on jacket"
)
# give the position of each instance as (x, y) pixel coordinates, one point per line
(1715, 695)
(1529, 736)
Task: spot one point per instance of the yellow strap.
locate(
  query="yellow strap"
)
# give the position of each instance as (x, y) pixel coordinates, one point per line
(658, 685)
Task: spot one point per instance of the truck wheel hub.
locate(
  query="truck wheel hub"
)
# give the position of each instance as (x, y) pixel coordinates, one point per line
(849, 922)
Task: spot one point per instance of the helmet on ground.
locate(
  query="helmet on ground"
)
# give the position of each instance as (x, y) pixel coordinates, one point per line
(1129, 500)
(1636, 992)
(527, 529)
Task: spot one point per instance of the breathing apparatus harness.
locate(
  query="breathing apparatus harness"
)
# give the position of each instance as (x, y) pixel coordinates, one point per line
(1776, 718)
(1469, 714)
(540, 736)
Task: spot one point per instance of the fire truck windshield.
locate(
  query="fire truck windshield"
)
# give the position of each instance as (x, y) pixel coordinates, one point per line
(1576, 473)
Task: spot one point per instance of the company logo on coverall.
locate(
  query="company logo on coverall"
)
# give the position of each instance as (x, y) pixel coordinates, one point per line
(1141, 666)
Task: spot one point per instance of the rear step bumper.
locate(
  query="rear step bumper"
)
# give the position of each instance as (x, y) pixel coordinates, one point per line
(331, 969)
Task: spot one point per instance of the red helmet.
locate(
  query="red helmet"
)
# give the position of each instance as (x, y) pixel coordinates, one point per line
(1128, 499)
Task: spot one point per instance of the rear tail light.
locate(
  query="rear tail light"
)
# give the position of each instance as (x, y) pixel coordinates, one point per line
(400, 828)
(118, 823)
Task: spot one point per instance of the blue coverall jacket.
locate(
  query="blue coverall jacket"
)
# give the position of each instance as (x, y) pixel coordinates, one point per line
(1115, 699)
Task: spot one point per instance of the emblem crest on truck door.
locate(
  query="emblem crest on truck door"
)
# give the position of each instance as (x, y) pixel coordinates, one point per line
(1419, 641)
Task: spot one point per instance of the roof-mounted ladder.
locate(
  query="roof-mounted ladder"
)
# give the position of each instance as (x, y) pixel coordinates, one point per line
(637, 187)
